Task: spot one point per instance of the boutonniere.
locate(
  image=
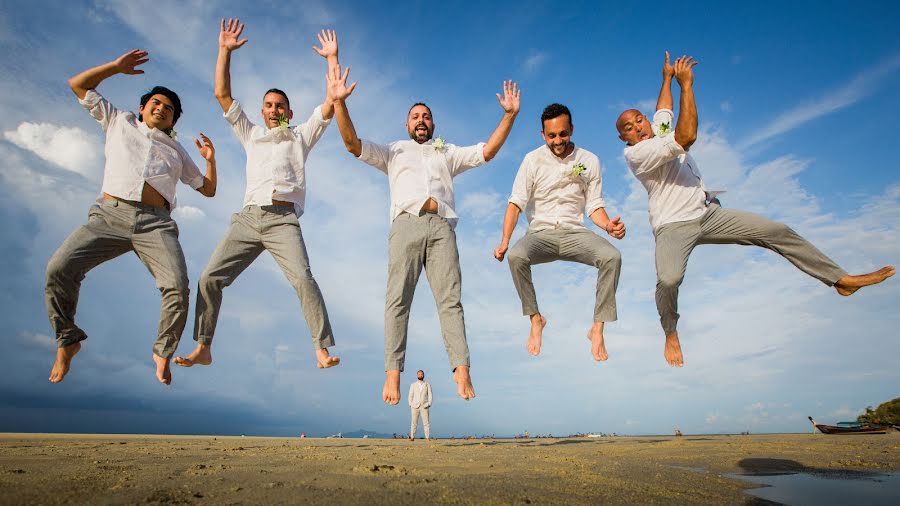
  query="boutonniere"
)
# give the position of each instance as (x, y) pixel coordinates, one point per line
(283, 123)
(173, 135)
(578, 169)
(439, 144)
(664, 128)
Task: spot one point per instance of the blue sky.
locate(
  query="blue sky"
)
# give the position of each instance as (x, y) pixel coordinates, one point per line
(796, 107)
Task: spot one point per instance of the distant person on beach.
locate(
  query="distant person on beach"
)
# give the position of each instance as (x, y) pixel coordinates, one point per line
(684, 214)
(556, 185)
(420, 175)
(144, 163)
(273, 202)
(419, 402)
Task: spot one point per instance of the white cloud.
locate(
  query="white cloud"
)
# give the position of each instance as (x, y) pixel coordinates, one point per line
(726, 106)
(70, 148)
(481, 206)
(534, 62)
(188, 213)
(861, 86)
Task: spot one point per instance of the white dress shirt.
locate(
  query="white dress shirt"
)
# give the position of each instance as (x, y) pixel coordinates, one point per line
(418, 172)
(276, 157)
(552, 195)
(137, 154)
(670, 175)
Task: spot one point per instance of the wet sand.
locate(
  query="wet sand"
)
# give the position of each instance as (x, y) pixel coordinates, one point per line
(128, 469)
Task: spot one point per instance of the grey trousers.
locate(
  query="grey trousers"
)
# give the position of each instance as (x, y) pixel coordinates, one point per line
(114, 228)
(414, 242)
(254, 229)
(582, 246)
(676, 241)
(426, 424)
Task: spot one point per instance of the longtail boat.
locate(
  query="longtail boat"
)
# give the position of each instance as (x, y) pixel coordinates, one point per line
(849, 428)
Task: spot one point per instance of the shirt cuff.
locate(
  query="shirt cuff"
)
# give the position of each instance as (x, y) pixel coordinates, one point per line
(317, 115)
(90, 100)
(594, 205)
(520, 203)
(234, 112)
(197, 182)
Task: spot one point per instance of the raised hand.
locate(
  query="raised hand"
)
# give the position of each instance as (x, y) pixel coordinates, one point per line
(336, 87)
(126, 63)
(684, 71)
(668, 69)
(229, 36)
(207, 150)
(616, 228)
(510, 99)
(328, 39)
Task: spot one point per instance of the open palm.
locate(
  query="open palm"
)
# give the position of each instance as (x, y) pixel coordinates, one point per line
(511, 97)
(229, 36)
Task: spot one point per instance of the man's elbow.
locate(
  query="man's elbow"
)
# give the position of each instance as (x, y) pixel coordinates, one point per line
(686, 140)
(353, 148)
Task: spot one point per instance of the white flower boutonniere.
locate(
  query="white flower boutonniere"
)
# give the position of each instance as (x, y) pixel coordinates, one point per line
(173, 135)
(664, 129)
(439, 144)
(283, 123)
(578, 169)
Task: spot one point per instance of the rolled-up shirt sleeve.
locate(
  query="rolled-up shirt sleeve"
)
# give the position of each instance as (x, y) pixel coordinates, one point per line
(190, 173)
(99, 108)
(315, 126)
(594, 191)
(376, 155)
(522, 185)
(465, 158)
(648, 155)
(239, 122)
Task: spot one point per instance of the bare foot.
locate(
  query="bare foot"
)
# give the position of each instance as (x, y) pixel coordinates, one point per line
(463, 382)
(63, 361)
(848, 285)
(673, 351)
(598, 348)
(538, 323)
(324, 360)
(202, 355)
(391, 392)
(163, 374)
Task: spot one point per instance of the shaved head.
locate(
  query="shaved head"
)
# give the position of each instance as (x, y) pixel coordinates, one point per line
(624, 117)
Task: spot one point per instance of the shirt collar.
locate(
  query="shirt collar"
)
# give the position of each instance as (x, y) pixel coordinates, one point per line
(569, 158)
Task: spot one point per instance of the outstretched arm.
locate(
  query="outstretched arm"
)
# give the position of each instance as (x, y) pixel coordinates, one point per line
(91, 78)
(337, 93)
(229, 40)
(510, 104)
(686, 126)
(509, 224)
(614, 227)
(208, 152)
(665, 92)
(329, 51)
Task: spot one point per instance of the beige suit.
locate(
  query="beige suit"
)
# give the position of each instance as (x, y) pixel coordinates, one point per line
(419, 401)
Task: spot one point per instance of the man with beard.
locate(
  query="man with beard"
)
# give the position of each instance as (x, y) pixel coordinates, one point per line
(419, 402)
(273, 202)
(684, 215)
(144, 163)
(420, 175)
(556, 184)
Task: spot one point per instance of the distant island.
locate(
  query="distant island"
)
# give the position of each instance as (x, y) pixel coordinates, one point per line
(887, 413)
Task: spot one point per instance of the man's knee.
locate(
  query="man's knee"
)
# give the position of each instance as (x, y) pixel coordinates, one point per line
(611, 258)
(669, 281)
(518, 257)
(57, 269)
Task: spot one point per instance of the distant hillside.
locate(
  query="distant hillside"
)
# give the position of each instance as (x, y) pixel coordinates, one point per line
(363, 432)
(885, 414)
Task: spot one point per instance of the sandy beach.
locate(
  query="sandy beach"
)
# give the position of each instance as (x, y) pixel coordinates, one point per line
(132, 469)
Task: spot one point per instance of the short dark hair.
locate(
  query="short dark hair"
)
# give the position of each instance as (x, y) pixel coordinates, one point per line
(166, 92)
(418, 104)
(276, 90)
(554, 111)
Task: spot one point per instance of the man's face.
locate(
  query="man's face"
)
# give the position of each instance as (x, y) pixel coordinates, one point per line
(420, 375)
(557, 134)
(158, 112)
(275, 106)
(634, 127)
(419, 124)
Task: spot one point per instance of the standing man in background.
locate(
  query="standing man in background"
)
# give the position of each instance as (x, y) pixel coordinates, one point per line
(419, 401)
